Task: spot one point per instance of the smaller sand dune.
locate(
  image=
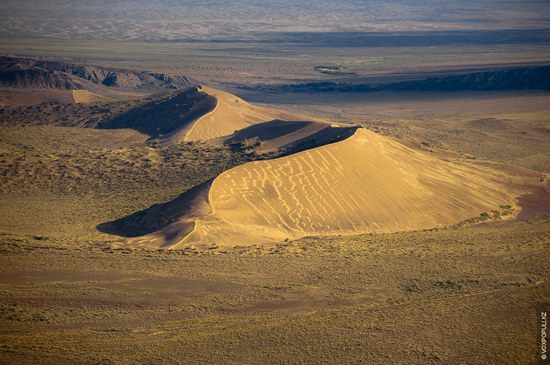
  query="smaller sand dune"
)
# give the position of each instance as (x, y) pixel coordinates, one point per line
(230, 114)
(54, 96)
(85, 96)
(196, 114)
(39, 96)
(165, 117)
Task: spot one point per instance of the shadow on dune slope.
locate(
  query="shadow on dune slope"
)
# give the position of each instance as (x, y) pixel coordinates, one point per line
(175, 219)
(287, 137)
(160, 117)
(192, 203)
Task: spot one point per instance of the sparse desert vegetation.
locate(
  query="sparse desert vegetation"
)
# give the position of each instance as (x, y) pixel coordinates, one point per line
(417, 297)
(315, 300)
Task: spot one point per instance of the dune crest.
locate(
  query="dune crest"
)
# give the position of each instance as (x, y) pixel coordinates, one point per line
(229, 114)
(365, 183)
(197, 113)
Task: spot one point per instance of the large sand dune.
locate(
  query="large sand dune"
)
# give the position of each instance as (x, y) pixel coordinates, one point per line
(364, 183)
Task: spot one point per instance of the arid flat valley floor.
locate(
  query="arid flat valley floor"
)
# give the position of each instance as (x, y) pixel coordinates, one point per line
(421, 297)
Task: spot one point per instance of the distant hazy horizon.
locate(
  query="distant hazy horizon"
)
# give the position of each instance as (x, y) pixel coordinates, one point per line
(204, 20)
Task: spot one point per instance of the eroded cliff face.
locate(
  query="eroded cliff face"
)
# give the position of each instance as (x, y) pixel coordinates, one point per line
(33, 73)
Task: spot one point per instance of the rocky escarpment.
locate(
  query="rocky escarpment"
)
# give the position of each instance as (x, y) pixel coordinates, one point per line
(33, 73)
(526, 78)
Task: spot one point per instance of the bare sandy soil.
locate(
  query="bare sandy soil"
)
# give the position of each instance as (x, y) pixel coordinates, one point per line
(85, 96)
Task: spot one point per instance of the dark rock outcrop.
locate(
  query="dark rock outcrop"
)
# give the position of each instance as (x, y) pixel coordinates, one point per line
(33, 73)
(526, 78)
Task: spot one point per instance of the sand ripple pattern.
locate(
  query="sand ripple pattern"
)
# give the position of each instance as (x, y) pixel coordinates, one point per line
(366, 183)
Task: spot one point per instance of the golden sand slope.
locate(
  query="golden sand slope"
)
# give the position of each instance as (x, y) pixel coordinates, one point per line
(365, 183)
(85, 96)
(230, 114)
(38, 96)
